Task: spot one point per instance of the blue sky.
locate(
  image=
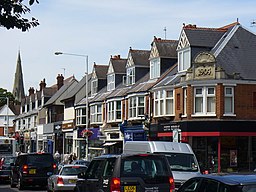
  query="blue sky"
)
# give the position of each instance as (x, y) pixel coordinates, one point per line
(101, 28)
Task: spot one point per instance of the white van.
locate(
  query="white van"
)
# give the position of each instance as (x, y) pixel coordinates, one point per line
(181, 157)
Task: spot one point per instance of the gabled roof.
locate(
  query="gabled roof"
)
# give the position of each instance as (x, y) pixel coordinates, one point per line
(64, 90)
(101, 71)
(166, 48)
(140, 57)
(118, 64)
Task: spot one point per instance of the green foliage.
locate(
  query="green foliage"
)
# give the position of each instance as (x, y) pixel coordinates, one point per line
(11, 15)
(3, 97)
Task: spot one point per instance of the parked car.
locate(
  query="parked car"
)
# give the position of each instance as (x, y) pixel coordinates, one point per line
(180, 156)
(220, 183)
(81, 162)
(5, 167)
(140, 172)
(66, 179)
(32, 169)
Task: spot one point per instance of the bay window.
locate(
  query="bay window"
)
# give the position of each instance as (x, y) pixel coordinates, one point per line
(136, 106)
(96, 113)
(164, 103)
(204, 100)
(114, 110)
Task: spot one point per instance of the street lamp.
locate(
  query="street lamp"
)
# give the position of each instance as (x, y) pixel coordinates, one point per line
(86, 95)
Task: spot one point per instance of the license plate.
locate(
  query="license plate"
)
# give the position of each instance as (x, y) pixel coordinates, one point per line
(129, 188)
(72, 180)
(32, 171)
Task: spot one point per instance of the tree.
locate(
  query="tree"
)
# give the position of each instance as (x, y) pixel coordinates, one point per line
(11, 15)
(3, 97)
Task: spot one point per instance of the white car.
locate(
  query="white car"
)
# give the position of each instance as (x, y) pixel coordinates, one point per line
(66, 178)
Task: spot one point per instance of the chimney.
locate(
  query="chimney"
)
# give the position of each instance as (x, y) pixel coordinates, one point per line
(60, 81)
(31, 91)
(42, 85)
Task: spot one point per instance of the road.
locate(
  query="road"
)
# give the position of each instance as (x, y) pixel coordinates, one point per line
(7, 188)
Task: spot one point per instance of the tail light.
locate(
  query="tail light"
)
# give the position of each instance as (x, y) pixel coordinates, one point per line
(60, 181)
(115, 185)
(172, 185)
(25, 169)
(54, 166)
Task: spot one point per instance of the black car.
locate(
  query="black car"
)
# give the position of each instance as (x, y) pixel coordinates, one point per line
(220, 183)
(32, 169)
(128, 173)
(5, 167)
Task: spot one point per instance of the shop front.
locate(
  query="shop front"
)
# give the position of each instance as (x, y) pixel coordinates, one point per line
(220, 146)
(113, 143)
(67, 135)
(48, 138)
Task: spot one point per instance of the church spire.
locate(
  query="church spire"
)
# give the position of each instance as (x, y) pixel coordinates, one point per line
(18, 86)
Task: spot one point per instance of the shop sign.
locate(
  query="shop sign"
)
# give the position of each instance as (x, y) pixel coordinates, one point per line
(67, 125)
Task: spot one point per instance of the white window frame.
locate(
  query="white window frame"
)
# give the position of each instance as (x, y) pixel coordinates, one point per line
(155, 68)
(134, 107)
(205, 96)
(130, 75)
(161, 99)
(94, 86)
(184, 59)
(113, 108)
(229, 96)
(185, 101)
(111, 82)
(80, 116)
(96, 113)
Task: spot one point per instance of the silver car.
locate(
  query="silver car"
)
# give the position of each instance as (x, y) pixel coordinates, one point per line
(66, 178)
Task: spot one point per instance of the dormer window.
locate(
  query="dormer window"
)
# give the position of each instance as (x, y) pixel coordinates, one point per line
(184, 60)
(130, 73)
(154, 68)
(94, 86)
(111, 82)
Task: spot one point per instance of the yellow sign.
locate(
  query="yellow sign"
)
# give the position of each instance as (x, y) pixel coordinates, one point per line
(129, 188)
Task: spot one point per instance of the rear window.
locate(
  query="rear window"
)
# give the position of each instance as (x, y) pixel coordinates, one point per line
(144, 166)
(249, 188)
(74, 170)
(40, 159)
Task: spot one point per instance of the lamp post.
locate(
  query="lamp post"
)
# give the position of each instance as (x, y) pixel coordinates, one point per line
(86, 95)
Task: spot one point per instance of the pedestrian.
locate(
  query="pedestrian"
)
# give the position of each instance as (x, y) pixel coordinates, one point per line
(70, 159)
(74, 157)
(57, 156)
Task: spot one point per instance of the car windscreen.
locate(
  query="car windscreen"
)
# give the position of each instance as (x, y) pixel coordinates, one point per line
(181, 162)
(153, 169)
(9, 160)
(74, 170)
(41, 160)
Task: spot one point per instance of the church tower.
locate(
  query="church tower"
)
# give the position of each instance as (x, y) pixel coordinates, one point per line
(18, 86)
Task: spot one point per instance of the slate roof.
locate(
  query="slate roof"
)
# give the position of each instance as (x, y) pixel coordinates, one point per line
(204, 37)
(68, 86)
(101, 95)
(168, 78)
(101, 71)
(166, 48)
(119, 91)
(118, 64)
(140, 57)
(238, 55)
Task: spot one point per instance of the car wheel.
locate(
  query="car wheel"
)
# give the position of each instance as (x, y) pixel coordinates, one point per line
(11, 183)
(20, 184)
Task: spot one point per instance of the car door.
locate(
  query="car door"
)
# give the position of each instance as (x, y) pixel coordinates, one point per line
(192, 185)
(107, 174)
(94, 175)
(15, 169)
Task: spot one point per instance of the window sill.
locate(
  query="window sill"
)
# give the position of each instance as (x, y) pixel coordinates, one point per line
(203, 115)
(229, 115)
(165, 115)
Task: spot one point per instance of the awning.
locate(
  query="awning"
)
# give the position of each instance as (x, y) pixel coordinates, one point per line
(109, 143)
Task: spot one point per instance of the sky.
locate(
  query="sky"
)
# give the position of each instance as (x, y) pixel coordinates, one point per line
(101, 28)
